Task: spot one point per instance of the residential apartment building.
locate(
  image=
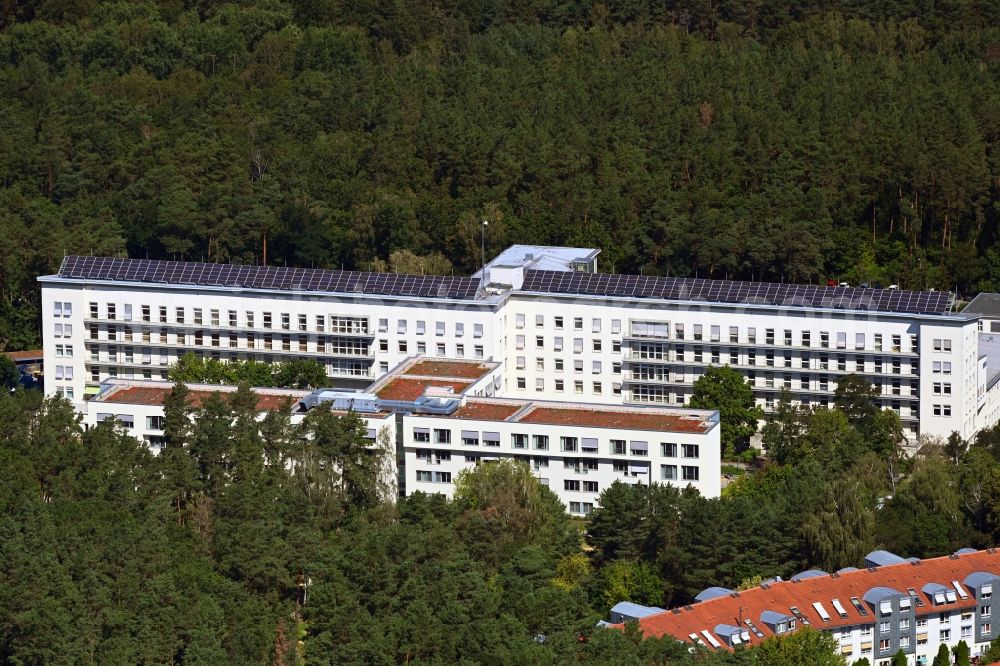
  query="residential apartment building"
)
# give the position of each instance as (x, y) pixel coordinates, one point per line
(558, 330)
(890, 605)
(438, 416)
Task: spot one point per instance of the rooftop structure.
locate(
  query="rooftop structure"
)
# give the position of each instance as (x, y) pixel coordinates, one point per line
(912, 605)
(265, 277)
(545, 257)
(741, 293)
(985, 304)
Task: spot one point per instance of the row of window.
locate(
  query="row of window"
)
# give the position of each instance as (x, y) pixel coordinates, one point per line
(596, 367)
(440, 348)
(523, 441)
(319, 323)
(558, 344)
(62, 309)
(558, 322)
(652, 352)
(440, 328)
(433, 477)
(597, 388)
(839, 339)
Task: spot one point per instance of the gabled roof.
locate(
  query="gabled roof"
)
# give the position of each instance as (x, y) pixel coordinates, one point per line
(774, 601)
(984, 304)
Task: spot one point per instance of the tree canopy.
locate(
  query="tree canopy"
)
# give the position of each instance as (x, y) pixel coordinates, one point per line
(783, 141)
(726, 390)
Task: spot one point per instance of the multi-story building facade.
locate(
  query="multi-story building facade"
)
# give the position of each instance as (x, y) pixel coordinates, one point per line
(891, 605)
(557, 330)
(441, 420)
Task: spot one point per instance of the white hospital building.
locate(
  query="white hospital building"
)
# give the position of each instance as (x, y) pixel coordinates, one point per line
(557, 329)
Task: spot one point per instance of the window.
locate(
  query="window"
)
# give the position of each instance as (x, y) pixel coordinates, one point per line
(539, 342)
(590, 486)
(540, 442)
(421, 435)
(560, 385)
(697, 332)
(519, 441)
(883, 645)
(539, 384)
(519, 321)
(690, 450)
(568, 443)
(690, 473)
(669, 450)
(442, 436)
(558, 322)
(577, 323)
(597, 388)
(522, 383)
(477, 331)
(519, 342)
(945, 635)
(420, 327)
(571, 485)
(668, 472)
(439, 328)
(618, 447)
(154, 423)
(595, 325)
(440, 349)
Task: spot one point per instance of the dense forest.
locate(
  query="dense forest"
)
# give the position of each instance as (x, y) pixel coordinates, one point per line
(790, 140)
(214, 552)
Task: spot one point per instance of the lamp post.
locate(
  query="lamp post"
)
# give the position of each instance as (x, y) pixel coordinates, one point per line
(482, 247)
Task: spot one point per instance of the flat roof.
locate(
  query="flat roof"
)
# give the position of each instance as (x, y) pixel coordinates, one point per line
(584, 415)
(30, 355)
(156, 395)
(600, 416)
(409, 389)
(426, 367)
(781, 596)
(487, 410)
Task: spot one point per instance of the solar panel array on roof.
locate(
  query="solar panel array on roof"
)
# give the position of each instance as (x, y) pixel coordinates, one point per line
(267, 277)
(728, 291)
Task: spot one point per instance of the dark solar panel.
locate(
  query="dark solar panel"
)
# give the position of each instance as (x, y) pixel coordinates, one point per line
(268, 277)
(726, 291)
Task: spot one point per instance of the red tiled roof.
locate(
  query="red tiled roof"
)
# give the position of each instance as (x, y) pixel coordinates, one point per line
(31, 355)
(456, 369)
(155, 395)
(613, 418)
(781, 596)
(399, 388)
(486, 410)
